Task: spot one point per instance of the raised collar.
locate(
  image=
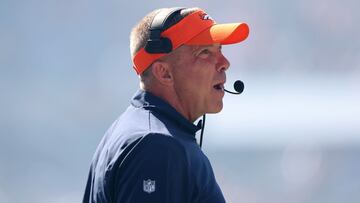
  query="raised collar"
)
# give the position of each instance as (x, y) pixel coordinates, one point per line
(144, 99)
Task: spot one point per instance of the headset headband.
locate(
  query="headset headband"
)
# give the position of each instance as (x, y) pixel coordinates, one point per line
(162, 20)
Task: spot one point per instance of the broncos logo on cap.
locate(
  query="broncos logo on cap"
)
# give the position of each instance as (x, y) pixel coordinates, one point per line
(205, 16)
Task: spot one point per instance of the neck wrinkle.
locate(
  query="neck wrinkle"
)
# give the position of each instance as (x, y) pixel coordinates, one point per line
(180, 108)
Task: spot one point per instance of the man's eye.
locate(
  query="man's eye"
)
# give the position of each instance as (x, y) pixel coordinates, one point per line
(205, 51)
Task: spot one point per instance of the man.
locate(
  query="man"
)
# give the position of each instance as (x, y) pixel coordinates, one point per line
(150, 153)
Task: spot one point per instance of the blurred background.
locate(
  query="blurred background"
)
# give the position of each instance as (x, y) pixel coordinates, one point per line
(292, 136)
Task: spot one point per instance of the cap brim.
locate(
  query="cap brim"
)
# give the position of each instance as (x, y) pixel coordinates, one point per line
(221, 33)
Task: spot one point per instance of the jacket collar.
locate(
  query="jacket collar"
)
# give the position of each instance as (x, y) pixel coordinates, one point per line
(146, 100)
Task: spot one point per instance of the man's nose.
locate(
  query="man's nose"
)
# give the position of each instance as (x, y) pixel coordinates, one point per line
(223, 63)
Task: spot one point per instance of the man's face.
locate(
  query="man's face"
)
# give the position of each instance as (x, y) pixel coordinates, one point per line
(199, 77)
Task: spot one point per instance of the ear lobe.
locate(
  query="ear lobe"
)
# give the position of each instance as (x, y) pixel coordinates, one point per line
(162, 72)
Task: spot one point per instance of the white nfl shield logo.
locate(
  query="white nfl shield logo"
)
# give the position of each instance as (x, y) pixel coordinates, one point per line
(149, 186)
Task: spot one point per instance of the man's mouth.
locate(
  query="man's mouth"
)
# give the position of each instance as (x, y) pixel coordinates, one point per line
(219, 86)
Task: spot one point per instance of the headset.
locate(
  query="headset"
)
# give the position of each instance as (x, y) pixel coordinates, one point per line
(157, 44)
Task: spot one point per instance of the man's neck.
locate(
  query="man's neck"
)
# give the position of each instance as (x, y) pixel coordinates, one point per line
(174, 100)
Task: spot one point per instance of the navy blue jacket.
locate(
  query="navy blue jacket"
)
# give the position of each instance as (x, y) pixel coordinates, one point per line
(150, 155)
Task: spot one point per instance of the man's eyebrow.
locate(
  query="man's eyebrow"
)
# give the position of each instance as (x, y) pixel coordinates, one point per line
(207, 46)
(196, 48)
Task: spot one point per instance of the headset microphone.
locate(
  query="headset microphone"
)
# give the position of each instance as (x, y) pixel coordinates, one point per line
(238, 86)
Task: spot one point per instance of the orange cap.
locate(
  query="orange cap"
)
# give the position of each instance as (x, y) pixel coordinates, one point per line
(195, 29)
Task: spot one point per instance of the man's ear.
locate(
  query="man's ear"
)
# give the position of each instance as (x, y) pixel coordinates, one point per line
(162, 72)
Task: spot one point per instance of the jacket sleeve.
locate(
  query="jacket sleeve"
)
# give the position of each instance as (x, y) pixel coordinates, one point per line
(156, 170)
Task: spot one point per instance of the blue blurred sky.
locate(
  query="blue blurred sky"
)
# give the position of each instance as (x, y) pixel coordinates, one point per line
(65, 75)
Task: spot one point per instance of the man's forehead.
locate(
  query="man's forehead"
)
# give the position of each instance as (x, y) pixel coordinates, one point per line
(197, 47)
(185, 49)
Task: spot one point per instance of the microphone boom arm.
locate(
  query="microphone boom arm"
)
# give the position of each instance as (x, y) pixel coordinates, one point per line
(231, 92)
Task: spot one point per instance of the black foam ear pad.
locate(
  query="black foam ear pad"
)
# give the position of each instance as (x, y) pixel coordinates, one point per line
(163, 45)
(156, 43)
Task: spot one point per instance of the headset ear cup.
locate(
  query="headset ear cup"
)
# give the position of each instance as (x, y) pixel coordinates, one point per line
(166, 45)
(156, 46)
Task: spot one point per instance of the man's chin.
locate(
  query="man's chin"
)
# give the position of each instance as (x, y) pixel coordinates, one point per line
(216, 109)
